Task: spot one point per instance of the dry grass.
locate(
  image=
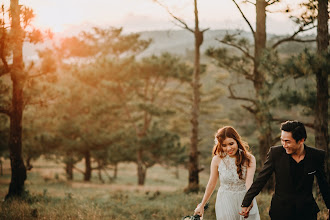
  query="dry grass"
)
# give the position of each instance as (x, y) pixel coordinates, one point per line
(162, 197)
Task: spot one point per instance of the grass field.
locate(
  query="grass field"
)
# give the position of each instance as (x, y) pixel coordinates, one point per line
(162, 197)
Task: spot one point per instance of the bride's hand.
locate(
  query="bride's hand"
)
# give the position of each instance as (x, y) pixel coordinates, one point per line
(246, 211)
(199, 210)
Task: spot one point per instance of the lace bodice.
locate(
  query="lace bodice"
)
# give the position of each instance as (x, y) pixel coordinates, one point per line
(229, 180)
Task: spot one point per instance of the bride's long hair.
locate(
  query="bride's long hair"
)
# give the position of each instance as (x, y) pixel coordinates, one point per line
(242, 155)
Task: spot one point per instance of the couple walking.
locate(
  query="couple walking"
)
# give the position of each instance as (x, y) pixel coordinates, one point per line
(293, 163)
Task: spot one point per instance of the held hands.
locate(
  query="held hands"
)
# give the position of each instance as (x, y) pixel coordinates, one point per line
(246, 210)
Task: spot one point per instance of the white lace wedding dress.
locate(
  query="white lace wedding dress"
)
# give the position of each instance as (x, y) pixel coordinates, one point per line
(231, 192)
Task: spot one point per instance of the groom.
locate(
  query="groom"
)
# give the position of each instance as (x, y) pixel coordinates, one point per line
(295, 166)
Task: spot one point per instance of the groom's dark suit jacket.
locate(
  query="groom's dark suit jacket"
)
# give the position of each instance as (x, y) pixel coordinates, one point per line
(286, 201)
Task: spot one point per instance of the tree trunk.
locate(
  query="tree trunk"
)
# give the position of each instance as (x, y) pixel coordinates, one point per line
(88, 166)
(115, 171)
(193, 184)
(260, 35)
(259, 47)
(262, 115)
(176, 172)
(28, 163)
(99, 169)
(141, 169)
(100, 174)
(18, 170)
(1, 168)
(263, 123)
(265, 142)
(265, 136)
(322, 95)
(69, 169)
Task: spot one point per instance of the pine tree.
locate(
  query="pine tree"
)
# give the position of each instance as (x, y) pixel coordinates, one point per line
(11, 45)
(256, 64)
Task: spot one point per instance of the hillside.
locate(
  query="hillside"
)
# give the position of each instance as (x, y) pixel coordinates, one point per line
(178, 42)
(181, 41)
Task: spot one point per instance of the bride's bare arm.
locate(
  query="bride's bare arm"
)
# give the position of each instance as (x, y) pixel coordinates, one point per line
(251, 169)
(214, 175)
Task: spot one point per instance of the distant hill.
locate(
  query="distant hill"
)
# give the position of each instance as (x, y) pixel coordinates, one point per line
(179, 42)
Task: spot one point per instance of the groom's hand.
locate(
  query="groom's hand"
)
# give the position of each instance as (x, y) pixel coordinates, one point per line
(245, 211)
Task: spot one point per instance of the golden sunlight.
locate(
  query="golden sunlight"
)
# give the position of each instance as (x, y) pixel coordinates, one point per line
(133, 15)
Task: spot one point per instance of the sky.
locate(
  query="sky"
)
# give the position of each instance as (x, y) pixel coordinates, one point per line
(142, 15)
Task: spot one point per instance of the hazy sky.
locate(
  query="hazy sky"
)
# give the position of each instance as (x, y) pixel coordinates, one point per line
(138, 15)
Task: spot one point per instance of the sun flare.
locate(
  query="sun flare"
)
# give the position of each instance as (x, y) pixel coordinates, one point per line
(132, 15)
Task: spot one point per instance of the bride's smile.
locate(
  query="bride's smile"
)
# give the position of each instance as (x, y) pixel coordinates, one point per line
(229, 146)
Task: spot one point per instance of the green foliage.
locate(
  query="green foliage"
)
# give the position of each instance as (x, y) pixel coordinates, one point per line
(27, 16)
(307, 63)
(304, 97)
(101, 42)
(161, 146)
(35, 36)
(167, 65)
(32, 84)
(231, 61)
(101, 100)
(48, 62)
(302, 69)
(75, 47)
(308, 16)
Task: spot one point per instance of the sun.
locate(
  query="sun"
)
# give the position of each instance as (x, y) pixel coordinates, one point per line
(54, 15)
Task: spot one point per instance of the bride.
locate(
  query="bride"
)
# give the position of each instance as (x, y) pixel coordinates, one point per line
(235, 167)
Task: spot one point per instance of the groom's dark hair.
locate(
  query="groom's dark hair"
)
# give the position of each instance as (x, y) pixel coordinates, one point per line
(296, 128)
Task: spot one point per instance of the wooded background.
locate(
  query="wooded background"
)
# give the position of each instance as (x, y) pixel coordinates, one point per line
(104, 97)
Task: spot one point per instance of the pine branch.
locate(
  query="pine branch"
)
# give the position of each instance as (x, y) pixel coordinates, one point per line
(97, 167)
(95, 146)
(247, 75)
(5, 111)
(247, 1)
(121, 96)
(233, 96)
(2, 51)
(250, 109)
(79, 170)
(37, 75)
(247, 21)
(275, 140)
(245, 52)
(4, 70)
(40, 102)
(106, 173)
(310, 125)
(206, 29)
(272, 2)
(184, 24)
(292, 37)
